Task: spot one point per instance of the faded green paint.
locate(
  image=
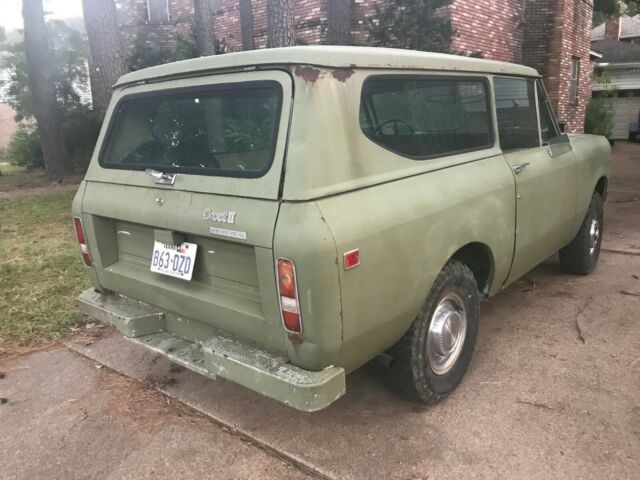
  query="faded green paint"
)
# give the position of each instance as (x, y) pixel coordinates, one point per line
(330, 190)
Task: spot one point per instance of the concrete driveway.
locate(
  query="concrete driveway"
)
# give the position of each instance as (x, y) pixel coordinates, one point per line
(553, 392)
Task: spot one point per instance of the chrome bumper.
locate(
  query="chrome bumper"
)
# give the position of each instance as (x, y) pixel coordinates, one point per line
(260, 370)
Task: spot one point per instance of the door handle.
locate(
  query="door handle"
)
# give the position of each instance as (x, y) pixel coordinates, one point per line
(517, 169)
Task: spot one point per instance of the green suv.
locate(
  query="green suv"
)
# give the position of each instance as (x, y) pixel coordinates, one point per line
(281, 217)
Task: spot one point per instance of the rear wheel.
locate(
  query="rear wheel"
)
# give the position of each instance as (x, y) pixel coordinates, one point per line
(580, 257)
(432, 357)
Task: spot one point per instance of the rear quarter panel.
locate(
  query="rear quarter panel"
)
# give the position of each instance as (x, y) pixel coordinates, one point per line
(302, 235)
(407, 217)
(406, 231)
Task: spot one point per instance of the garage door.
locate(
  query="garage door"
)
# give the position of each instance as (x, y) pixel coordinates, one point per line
(625, 111)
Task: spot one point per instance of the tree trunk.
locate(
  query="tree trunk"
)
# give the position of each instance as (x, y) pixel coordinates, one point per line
(107, 61)
(280, 27)
(339, 22)
(246, 25)
(203, 28)
(43, 92)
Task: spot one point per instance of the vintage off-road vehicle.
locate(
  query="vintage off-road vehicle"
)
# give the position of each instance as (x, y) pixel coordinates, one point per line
(281, 217)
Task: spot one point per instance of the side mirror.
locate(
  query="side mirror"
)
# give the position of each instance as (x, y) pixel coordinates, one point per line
(559, 145)
(563, 125)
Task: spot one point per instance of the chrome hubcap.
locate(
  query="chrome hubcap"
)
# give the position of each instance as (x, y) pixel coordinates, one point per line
(446, 335)
(594, 235)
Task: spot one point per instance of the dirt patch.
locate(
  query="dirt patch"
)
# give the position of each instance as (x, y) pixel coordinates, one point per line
(38, 191)
(85, 335)
(19, 182)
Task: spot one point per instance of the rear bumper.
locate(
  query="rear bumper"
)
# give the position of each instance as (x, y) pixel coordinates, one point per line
(241, 362)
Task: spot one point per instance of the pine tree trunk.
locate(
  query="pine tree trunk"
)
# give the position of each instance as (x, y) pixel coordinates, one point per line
(203, 28)
(339, 22)
(43, 92)
(107, 61)
(246, 25)
(280, 26)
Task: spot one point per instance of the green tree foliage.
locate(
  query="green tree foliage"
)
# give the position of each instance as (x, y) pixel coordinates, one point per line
(603, 9)
(24, 147)
(146, 53)
(412, 24)
(70, 52)
(80, 124)
(611, 8)
(599, 115)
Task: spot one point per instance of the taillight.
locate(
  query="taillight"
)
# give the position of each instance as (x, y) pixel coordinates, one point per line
(84, 249)
(288, 291)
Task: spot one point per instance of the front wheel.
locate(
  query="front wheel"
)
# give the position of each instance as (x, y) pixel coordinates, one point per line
(432, 357)
(580, 257)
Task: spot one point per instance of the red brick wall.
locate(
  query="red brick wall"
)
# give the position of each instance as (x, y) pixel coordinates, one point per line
(310, 18)
(544, 34)
(491, 27)
(556, 32)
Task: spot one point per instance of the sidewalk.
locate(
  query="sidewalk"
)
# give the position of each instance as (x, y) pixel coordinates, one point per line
(67, 419)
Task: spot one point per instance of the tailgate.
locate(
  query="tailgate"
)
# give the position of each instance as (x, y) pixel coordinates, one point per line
(223, 197)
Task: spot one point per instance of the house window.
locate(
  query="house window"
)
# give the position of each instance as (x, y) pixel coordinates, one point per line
(575, 81)
(158, 11)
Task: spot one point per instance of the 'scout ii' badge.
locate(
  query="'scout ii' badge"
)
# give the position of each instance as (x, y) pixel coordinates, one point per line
(222, 217)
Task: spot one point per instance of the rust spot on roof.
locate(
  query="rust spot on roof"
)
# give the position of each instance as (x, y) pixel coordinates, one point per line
(309, 74)
(342, 74)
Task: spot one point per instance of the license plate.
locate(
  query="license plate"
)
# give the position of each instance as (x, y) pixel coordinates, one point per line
(174, 260)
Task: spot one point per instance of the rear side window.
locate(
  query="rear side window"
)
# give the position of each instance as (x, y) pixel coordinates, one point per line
(516, 111)
(227, 130)
(424, 117)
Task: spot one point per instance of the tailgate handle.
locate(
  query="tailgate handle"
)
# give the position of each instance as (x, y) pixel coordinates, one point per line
(161, 177)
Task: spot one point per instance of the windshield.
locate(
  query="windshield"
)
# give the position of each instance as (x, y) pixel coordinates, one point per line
(227, 130)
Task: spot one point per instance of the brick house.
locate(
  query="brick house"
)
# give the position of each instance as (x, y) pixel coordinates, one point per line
(552, 36)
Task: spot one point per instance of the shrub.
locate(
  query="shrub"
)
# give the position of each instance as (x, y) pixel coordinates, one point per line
(80, 127)
(146, 53)
(599, 117)
(24, 147)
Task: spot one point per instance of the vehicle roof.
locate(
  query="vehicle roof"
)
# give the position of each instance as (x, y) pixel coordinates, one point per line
(327, 56)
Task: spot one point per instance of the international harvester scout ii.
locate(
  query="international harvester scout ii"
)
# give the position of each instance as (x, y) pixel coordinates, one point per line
(280, 217)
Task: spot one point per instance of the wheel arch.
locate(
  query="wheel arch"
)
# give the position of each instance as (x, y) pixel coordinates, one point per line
(601, 187)
(479, 258)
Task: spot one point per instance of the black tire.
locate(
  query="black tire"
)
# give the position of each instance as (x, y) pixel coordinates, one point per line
(580, 257)
(412, 372)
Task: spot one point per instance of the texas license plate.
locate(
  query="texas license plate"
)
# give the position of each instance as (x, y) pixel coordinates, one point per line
(174, 260)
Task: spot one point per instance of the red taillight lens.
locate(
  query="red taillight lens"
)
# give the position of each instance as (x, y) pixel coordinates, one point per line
(287, 278)
(84, 250)
(289, 306)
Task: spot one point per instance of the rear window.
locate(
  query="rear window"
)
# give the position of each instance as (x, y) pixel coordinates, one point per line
(425, 117)
(227, 130)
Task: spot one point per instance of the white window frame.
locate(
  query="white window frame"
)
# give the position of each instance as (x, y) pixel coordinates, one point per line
(168, 18)
(574, 81)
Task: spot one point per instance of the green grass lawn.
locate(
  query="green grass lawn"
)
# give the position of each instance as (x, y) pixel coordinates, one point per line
(41, 272)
